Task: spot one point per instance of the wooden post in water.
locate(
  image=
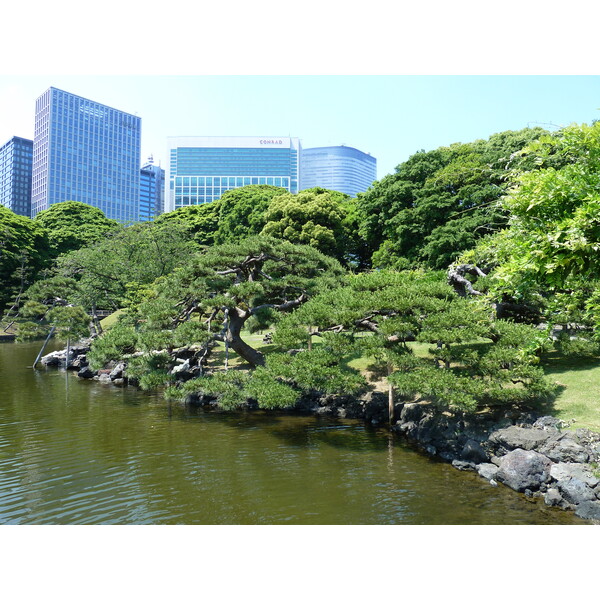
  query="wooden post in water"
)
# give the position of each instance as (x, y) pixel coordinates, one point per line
(68, 353)
(43, 347)
(390, 370)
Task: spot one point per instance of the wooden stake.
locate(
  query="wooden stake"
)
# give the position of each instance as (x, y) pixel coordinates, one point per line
(390, 370)
(43, 347)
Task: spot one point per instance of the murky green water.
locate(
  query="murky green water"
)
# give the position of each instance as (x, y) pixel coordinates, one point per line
(79, 452)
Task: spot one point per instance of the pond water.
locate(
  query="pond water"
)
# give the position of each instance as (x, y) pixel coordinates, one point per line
(79, 452)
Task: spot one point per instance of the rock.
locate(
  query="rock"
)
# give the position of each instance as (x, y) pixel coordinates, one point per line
(579, 471)
(117, 372)
(411, 411)
(575, 491)
(119, 381)
(86, 373)
(463, 465)
(104, 377)
(553, 498)
(514, 437)
(78, 362)
(54, 359)
(487, 470)
(523, 469)
(473, 452)
(589, 509)
(565, 448)
(548, 423)
(183, 367)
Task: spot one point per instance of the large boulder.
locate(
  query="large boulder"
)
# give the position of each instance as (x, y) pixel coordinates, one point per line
(513, 437)
(524, 470)
(574, 491)
(565, 448)
(563, 471)
(117, 371)
(54, 359)
(474, 452)
(589, 509)
(86, 373)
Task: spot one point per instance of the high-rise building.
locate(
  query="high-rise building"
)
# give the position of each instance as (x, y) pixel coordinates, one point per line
(15, 175)
(201, 169)
(339, 168)
(152, 191)
(88, 152)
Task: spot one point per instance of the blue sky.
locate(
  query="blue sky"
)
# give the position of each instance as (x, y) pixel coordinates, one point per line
(389, 116)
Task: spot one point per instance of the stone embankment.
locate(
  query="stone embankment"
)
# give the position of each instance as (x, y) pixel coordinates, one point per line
(531, 454)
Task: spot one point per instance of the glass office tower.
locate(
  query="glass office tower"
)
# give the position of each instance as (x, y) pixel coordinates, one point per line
(152, 191)
(339, 168)
(16, 159)
(87, 152)
(201, 169)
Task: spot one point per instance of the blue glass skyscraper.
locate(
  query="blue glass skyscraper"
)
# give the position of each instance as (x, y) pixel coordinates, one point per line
(152, 191)
(16, 158)
(88, 152)
(201, 169)
(339, 168)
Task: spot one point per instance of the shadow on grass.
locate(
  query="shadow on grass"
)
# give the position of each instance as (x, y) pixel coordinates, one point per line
(578, 375)
(555, 363)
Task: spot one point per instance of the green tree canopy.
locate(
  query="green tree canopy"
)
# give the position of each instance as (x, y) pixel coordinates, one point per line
(215, 295)
(242, 211)
(439, 203)
(24, 251)
(314, 217)
(201, 221)
(72, 225)
(550, 251)
(473, 360)
(116, 270)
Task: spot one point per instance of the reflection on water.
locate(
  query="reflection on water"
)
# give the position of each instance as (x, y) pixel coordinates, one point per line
(78, 452)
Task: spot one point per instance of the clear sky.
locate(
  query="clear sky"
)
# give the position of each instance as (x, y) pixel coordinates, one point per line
(389, 116)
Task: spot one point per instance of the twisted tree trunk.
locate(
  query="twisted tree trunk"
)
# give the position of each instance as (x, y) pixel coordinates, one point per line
(233, 336)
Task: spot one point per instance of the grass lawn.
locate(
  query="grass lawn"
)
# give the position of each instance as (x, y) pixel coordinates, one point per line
(579, 392)
(109, 321)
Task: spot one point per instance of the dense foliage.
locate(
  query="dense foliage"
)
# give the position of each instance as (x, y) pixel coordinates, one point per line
(24, 251)
(72, 225)
(217, 293)
(433, 344)
(115, 271)
(314, 217)
(548, 256)
(242, 211)
(439, 203)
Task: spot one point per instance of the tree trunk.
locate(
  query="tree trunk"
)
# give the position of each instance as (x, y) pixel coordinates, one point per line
(237, 344)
